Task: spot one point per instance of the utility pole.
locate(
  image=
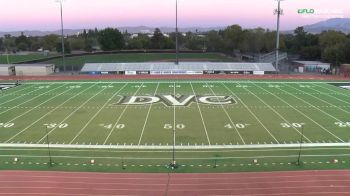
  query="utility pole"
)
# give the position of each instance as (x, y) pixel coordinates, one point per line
(176, 40)
(62, 36)
(278, 12)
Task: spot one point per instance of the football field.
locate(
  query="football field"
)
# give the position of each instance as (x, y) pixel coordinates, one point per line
(193, 115)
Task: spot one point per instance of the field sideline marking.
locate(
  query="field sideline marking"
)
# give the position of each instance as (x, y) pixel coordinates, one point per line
(229, 117)
(180, 151)
(340, 90)
(200, 113)
(302, 112)
(67, 117)
(146, 120)
(319, 98)
(120, 116)
(193, 147)
(276, 112)
(32, 98)
(55, 108)
(97, 113)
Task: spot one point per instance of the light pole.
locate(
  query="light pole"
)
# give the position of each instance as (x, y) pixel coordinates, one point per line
(278, 12)
(62, 35)
(176, 40)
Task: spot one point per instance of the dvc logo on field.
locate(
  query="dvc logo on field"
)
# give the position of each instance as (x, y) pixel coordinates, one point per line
(181, 100)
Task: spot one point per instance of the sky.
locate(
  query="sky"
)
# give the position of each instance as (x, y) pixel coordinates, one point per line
(16, 15)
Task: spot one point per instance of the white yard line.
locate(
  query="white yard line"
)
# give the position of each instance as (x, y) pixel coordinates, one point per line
(146, 120)
(97, 113)
(252, 113)
(48, 113)
(228, 116)
(27, 100)
(340, 90)
(191, 147)
(37, 105)
(306, 116)
(120, 116)
(275, 111)
(200, 113)
(320, 98)
(332, 96)
(174, 122)
(67, 117)
(312, 105)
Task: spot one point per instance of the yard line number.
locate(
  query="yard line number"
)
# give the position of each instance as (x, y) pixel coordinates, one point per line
(178, 126)
(342, 124)
(238, 126)
(6, 125)
(56, 125)
(110, 126)
(292, 125)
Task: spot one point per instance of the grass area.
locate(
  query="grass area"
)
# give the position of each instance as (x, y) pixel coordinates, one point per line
(20, 58)
(78, 62)
(220, 126)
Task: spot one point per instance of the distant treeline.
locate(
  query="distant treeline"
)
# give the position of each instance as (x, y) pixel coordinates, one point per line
(329, 46)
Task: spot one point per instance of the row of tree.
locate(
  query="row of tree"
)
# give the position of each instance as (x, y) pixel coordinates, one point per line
(330, 46)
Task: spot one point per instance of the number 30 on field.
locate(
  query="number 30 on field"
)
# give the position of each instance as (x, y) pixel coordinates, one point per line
(55, 125)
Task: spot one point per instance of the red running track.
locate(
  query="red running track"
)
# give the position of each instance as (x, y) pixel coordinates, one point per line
(34, 183)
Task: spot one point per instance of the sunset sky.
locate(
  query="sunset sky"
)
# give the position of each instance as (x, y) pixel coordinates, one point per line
(44, 14)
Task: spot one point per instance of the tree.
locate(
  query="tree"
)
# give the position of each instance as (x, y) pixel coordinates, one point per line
(158, 39)
(310, 52)
(331, 38)
(215, 42)
(50, 42)
(67, 47)
(23, 43)
(1, 44)
(233, 37)
(111, 39)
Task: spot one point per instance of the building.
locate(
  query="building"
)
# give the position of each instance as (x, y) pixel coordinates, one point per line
(34, 69)
(7, 70)
(186, 68)
(310, 66)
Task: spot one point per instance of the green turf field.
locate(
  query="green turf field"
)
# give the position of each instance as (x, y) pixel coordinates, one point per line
(224, 123)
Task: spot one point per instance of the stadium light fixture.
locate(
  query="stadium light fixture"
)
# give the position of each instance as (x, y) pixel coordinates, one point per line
(62, 35)
(278, 12)
(176, 39)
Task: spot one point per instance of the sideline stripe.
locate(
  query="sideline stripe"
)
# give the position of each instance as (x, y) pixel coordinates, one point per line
(193, 147)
